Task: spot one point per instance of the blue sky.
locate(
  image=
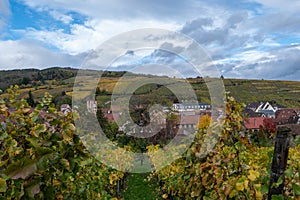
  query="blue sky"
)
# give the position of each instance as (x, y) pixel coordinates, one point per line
(257, 39)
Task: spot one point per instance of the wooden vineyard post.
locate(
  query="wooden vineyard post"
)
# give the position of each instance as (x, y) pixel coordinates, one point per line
(279, 161)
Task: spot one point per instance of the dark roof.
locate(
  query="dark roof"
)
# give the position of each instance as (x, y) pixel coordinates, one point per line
(264, 104)
(253, 105)
(250, 113)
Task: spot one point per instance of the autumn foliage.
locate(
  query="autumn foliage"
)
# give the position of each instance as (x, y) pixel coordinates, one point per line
(204, 122)
(268, 127)
(234, 169)
(42, 157)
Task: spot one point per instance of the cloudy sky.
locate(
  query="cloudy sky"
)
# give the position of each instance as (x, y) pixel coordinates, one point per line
(257, 39)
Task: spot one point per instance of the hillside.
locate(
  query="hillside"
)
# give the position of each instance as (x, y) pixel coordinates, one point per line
(59, 83)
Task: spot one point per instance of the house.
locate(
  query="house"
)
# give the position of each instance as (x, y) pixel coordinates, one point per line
(298, 113)
(108, 114)
(265, 108)
(91, 106)
(268, 113)
(261, 106)
(189, 121)
(250, 113)
(190, 106)
(187, 124)
(254, 106)
(286, 116)
(254, 123)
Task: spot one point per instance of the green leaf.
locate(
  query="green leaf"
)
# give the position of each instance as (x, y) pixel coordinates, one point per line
(279, 182)
(34, 116)
(21, 169)
(289, 173)
(32, 186)
(44, 150)
(33, 190)
(69, 126)
(3, 186)
(43, 162)
(37, 130)
(33, 141)
(277, 197)
(296, 189)
(264, 189)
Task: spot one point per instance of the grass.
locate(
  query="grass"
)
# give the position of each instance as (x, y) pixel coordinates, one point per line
(140, 189)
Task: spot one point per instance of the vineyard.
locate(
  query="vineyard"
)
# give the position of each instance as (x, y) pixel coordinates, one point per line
(234, 169)
(43, 158)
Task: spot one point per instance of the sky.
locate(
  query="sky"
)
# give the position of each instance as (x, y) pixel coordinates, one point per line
(254, 39)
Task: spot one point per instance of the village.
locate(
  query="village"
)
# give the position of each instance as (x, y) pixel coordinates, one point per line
(257, 115)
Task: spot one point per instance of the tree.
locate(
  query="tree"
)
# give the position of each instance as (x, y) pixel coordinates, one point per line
(268, 127)
(30, 99)
(204, 122)
(110, 129)
(171, 121)
(25, 81)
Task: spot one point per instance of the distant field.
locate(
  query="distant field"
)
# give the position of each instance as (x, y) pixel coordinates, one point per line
(286, 93)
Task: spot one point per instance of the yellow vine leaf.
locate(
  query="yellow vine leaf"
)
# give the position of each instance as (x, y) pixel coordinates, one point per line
(239, 186)
(253, 175)
(258, 195)
(246, 182)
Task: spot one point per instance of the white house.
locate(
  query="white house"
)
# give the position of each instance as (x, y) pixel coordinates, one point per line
(191, 106)
(264, 108)
(91, 106)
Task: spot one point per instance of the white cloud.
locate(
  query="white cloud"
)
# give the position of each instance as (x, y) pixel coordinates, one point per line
(26, 54)
(281, 5)
(242, 39)
(4, 12)
(5, 7)
(280, 64)
(120, 9)
(91, 34)
(61, 17)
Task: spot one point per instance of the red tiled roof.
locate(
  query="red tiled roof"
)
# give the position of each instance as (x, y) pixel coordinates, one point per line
(286, 116)
(189, 119)
(109, 116)
(254, 122)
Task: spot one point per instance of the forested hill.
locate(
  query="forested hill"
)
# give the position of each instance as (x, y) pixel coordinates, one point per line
(32, 76)
(29, 76)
